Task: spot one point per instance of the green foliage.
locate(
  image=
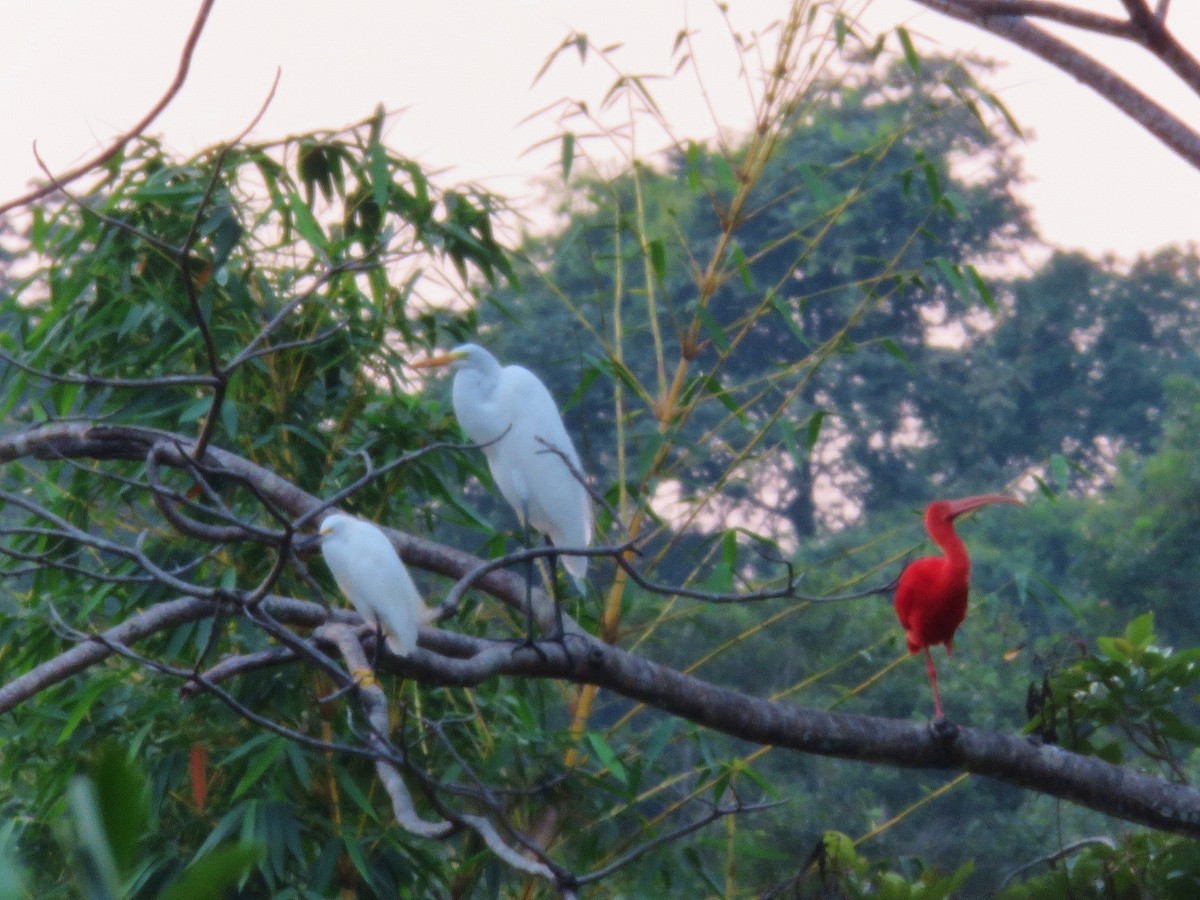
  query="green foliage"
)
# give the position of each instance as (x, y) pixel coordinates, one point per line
(838, 870)
(273, 290)
(1138, 866)
(1141, 549)
(1128, 694)
(108, 820)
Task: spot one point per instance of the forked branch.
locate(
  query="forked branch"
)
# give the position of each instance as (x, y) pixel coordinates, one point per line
(1014, 20)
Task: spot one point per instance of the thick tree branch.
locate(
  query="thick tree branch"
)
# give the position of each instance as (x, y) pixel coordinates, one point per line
(101, 442)
(161, 617)
(1010, 21)
(1089, 781)
(1052, 12)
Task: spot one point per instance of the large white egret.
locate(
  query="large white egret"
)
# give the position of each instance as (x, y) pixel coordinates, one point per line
(510, 413)
(369, 572)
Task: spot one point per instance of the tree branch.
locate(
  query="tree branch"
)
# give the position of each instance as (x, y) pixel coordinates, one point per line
(1008, 21)
(100, 442)
(161, 617)
(185, 62)
(1020, 761)
(1051, 12)
(373, 702)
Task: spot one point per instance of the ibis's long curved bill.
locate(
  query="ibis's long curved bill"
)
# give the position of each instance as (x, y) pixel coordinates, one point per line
(966, 504)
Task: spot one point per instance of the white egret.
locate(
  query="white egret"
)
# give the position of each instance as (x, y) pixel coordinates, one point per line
(369, 572)
(511, 414)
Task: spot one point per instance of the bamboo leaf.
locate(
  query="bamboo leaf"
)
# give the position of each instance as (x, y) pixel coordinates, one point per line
(567, 154)
(897, 351)
(607, 757)
(713, 329)
(813, 431)
(910, 51)
(982, 288)
(258, 767)
(658, 259)
(305, 222)
(214, 875)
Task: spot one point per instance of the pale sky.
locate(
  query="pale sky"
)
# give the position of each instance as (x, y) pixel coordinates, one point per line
(76, 72)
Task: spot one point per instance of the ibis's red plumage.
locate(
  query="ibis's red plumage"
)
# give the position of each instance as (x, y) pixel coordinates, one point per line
(931, 596)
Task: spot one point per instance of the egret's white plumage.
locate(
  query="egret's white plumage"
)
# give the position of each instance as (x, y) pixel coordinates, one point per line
(369, 572)
(509, 411)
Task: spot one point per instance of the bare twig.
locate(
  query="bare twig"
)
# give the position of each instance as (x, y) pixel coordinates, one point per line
(160, 617)
(252, 349)
(158, 381)
(185, 61)
(373, 474)
(193, 677)
(453, 600)
(220, 373)
(42, 560)
(166, 499)
(233, 666)
(579, 476)
(787, 591)
(1059, 854)
(716, 813)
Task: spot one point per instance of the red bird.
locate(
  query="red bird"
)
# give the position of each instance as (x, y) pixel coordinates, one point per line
(931, 596)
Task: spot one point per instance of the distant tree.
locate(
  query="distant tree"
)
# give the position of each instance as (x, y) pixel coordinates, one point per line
(856, 233)
(1140, 549)
(1074, 368)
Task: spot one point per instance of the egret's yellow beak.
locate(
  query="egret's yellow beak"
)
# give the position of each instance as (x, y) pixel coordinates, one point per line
(443, 359)
(325, 532)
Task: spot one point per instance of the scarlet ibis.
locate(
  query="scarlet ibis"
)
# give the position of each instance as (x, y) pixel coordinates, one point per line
(931, 596)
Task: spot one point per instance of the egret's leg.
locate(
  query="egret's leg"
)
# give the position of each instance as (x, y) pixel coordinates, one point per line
(526, 542)
(937, 700)
(561, 633)
(378, 644)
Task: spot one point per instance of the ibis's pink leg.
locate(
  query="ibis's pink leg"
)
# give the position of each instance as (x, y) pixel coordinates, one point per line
(937, 700)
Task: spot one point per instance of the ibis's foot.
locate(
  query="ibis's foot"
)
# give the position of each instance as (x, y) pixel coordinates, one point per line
(943, 730)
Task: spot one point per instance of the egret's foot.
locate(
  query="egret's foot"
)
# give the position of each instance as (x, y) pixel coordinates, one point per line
(362, 678)
(943, 730)
(561, 639)
(531, 644)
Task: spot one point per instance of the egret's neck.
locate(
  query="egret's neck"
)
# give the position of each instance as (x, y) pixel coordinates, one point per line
(474, 395)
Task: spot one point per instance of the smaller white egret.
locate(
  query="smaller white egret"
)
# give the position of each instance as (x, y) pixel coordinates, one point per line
(369, 572)
(509, 411)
